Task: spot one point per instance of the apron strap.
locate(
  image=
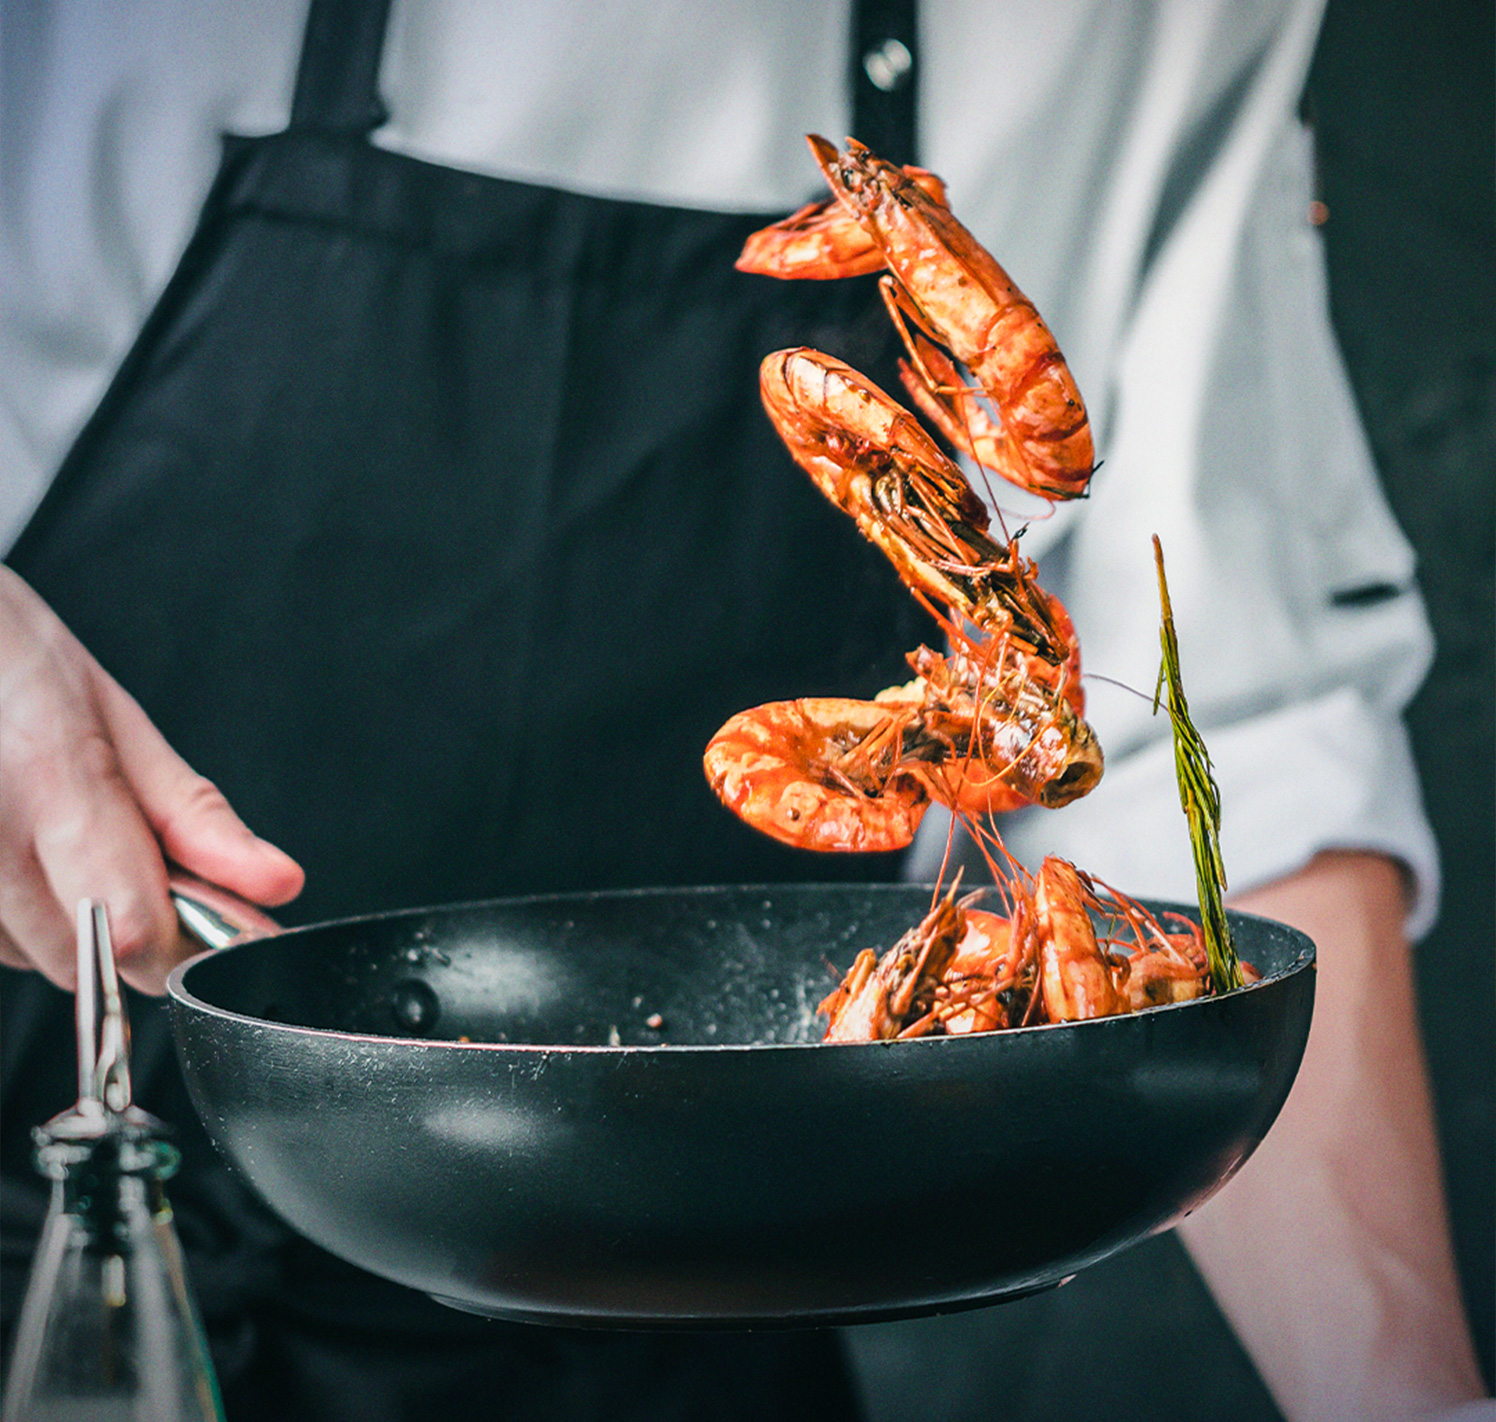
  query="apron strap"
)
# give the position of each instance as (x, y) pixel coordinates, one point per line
(884, 77)
(337, 84)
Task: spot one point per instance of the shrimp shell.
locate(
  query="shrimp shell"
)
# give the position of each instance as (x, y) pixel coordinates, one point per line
(821, 773)
(876, 462)
(822, 241)
(958, 294)
(1076, 978)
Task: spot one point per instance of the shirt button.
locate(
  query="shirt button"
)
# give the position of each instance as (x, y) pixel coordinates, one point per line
(888, 65)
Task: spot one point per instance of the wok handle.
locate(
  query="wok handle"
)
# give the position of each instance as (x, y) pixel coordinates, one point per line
(212, 917)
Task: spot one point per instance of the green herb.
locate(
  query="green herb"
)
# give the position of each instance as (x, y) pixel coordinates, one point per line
(1201, 800)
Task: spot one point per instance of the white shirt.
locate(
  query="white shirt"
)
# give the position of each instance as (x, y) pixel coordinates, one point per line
(1138, 169)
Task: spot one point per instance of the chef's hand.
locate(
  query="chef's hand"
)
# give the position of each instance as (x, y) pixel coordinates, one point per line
(94, 802)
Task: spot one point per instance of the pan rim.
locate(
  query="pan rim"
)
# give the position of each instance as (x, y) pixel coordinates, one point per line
(1306, 959)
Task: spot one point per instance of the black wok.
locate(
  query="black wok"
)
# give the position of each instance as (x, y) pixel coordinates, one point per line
(612, 1109)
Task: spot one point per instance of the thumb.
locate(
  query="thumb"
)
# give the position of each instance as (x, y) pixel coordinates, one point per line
(195, 824)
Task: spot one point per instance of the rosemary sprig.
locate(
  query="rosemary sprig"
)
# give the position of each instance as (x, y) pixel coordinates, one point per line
(1201, 801)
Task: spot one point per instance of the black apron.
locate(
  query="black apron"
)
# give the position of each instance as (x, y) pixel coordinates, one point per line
(434, 517)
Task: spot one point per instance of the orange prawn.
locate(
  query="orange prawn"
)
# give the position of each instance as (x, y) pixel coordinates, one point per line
(1006, 739)
(1078, 980)
(875, 461)
(996, 724)
(822, 241)
(821, 773)
(964, 969)
(835, 774)
(954, 306)
(881, 997)
(986, 980)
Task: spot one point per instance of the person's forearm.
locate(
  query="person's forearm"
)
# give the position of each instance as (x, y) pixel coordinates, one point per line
(1329, 1251)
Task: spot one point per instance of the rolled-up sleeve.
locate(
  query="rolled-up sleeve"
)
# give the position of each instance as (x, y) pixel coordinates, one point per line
(1231, 432)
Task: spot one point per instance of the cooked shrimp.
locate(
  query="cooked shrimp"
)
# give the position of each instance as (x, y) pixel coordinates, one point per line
(1007, 740)
(873, 459)
(1077, 978)
(944, 289)
(889, 996)
(836, 774)
(998, 722)
(984, 971)
(1043, 962)
(821, 773)
(1156, 976)
(822, 241)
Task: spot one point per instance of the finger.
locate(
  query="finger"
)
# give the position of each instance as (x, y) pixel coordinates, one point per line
(10, 955)
(72, 830)
(71, 827)
(34, 929)
(91, 841)
(195, 824)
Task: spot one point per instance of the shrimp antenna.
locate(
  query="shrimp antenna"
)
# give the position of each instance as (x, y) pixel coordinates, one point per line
(1201, 801)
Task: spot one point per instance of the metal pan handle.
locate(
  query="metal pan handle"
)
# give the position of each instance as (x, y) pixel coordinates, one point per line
(212, 917)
